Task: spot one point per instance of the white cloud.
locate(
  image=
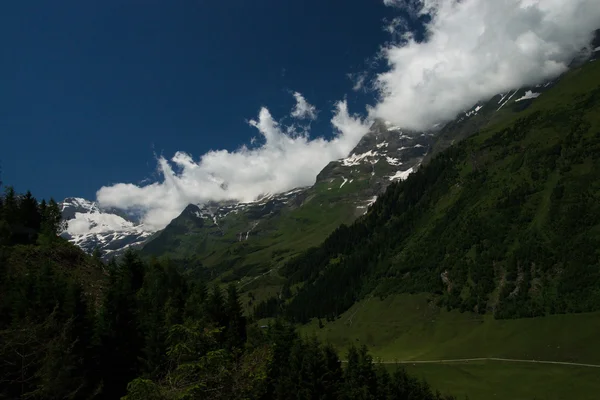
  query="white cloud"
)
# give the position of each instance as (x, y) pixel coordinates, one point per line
(303, 109)
(358, 80)
(286, 160)
(395, 26)
(476, 49)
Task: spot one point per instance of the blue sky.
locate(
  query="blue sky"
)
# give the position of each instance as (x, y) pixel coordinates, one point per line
(89, 90)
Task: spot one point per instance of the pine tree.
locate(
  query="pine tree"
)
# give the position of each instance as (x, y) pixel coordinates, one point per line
(51, 220)
(332, 378)
(120, 341)
(29, 214)
(42, 208)
(97, 255)
(195, 303)
(177, 293)
(236, 329)
(215, 308)
(152, 298)
(360, 380)
(11, 206)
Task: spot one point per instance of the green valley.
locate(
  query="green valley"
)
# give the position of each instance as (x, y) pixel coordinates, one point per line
(410, 327)
(300, 200)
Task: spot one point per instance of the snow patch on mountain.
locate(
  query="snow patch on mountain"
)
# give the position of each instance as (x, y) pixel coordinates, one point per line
(474, 111)
(528, 95)
(507, 100)
(368, 204)
(393, 161)
(401, 175)
(343, 183)
(356, 159)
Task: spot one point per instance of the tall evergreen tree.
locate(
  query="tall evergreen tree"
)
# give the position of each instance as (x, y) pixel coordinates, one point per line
(29, 213)
(11, 206)
(236, 329)
(215, 307)
(52, 223)
(120, 339)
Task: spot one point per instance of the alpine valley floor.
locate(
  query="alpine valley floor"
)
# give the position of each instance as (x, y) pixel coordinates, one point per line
(409, 328)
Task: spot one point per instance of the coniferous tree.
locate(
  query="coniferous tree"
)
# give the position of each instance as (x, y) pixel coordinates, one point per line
(29, 212)
(195, 303)
(152, 298)
(332, 377)
(52, 222)
(120, 339)
(359, 376)
(215, 307)
(11, 206)
(236, 329)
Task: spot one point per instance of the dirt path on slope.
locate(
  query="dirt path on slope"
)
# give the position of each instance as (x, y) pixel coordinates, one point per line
(464, 360)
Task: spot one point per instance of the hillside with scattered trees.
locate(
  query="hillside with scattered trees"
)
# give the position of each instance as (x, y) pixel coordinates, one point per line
(505, 222)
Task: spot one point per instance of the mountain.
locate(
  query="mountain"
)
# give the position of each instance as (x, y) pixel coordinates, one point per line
(237, 240)
(110, 231)
(246, 239)
(385, 154)
(505, 221)
(221, 234)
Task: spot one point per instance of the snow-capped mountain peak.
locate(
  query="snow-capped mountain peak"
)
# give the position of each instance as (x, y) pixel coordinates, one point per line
(90, 227)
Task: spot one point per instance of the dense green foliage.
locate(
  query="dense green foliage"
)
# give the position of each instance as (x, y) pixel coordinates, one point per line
(506, 221)
(72, 327)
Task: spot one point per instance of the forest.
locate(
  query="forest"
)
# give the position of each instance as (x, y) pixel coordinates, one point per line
(72, 327)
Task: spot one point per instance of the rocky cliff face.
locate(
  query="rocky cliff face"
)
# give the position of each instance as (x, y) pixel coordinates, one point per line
(385, 154)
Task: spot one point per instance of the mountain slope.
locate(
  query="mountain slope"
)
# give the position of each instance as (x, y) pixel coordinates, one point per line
(244, 240)
(506, 221)
(249, 239)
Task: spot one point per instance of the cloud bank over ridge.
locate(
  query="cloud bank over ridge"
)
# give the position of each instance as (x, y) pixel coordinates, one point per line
(474, 49)
(288, 158)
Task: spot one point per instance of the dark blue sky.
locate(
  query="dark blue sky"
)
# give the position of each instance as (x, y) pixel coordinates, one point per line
(89, 90)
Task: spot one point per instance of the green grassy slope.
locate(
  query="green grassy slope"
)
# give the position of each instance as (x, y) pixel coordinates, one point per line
(216, 251)
(510, 381)
(408, 327)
